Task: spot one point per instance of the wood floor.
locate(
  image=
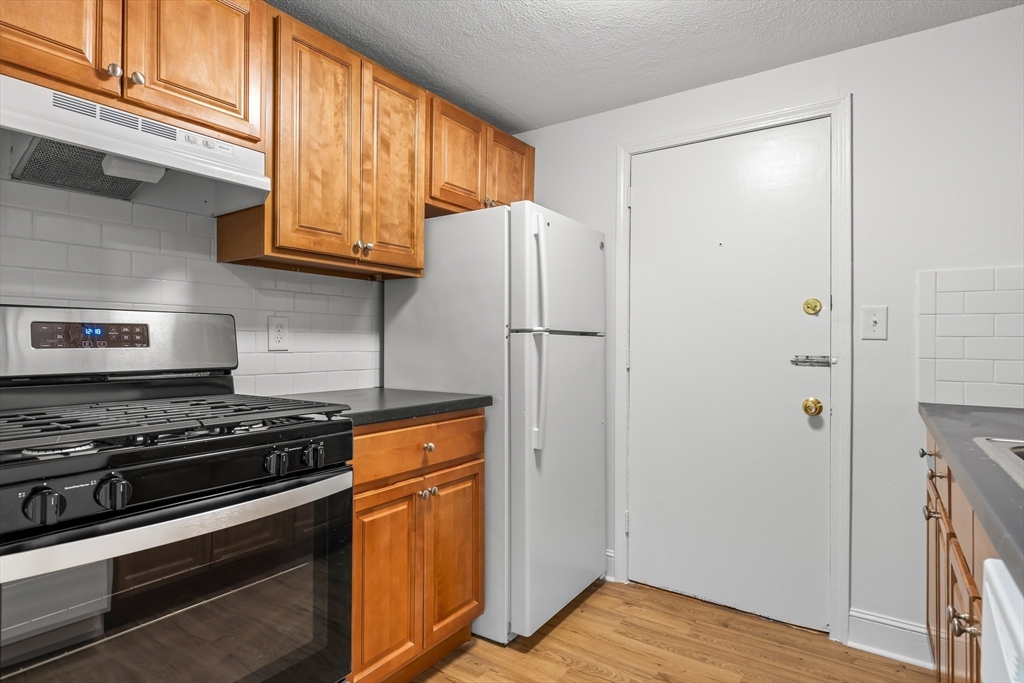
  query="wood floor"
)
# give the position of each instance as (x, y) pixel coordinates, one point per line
(633, 633)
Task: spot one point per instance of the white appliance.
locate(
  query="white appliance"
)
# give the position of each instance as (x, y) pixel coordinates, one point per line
(1002, 623)
(51, 138)
(513, 305)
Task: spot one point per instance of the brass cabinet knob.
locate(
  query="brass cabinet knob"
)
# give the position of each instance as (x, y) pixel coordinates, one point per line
(812, 406)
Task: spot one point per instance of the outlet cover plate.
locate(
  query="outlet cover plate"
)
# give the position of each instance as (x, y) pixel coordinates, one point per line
(277, 333)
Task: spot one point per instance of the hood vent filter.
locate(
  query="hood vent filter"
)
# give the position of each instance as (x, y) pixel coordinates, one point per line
(76, 168)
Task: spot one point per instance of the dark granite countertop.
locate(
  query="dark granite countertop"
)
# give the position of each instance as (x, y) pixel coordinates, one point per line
(997, 500)
(370, 406)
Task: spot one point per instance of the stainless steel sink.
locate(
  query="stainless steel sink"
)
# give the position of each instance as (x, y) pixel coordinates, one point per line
(1007, 453)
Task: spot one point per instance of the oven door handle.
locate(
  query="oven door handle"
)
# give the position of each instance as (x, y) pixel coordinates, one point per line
(75, 553)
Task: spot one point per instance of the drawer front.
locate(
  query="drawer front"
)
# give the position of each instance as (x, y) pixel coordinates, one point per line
(416, 449)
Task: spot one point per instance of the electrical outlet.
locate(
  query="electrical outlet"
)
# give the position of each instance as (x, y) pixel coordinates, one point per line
(277, 329)
(874, 322)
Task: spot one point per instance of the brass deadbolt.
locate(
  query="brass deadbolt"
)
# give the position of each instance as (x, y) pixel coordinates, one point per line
(812, 406)
(812, 306)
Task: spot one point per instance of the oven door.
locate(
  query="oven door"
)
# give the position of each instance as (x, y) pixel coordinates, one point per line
(248, 586)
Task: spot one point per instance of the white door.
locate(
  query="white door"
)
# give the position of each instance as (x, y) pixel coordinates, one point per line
(557, 472)
(728, 477)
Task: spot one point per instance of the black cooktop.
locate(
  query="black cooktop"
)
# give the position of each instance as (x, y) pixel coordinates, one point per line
(87, 428)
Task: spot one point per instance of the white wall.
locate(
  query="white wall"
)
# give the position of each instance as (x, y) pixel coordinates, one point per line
(61, 248)
(938, 159)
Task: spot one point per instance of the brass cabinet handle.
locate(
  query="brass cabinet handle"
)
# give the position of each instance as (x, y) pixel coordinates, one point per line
(138, 78)
(428, 447)
(812, 406)
(929, 514)
(932, 474)
(115, 70)
(922, 453)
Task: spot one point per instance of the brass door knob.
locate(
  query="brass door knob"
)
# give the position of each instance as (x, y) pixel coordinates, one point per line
(812, 406)
(812, 306)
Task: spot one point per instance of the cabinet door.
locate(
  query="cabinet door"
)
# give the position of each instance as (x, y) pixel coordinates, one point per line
(316, 182)
(453, 550)
(387, 589)
(70, 40)
(394, 150)
(458, 155)
(942, 659)
(509, 168)
(200, 59)
(933, 618)
(964, 599)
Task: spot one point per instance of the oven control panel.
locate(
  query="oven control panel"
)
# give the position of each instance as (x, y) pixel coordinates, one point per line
(62, 335)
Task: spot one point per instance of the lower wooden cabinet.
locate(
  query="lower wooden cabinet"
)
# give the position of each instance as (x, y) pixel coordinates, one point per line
(957, 549)
(418, 546)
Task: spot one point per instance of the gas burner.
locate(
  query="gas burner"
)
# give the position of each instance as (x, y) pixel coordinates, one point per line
(63, 449)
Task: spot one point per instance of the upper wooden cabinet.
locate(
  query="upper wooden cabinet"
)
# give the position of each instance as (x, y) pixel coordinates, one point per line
(197, 59)
(349, 145)
(73, 41)
(394, 154)
(316, 171)
(192, 62)
(472, 164)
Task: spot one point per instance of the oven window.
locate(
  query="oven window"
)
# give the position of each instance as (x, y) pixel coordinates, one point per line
(265, 600)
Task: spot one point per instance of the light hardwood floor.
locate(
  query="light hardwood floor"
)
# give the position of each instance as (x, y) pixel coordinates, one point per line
(634, 633)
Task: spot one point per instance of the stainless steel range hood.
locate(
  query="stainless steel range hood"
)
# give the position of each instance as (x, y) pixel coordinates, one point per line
(50, 138)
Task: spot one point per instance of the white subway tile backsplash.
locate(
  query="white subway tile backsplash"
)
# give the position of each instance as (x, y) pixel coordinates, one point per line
(310, 381)
(99, 261)
(54, 284)
(964, 325)
(949, 392)
(1010, 371)
(160, 219)
(997, 348)
(973, 280)
(1010, 325)
(949, 302)
(949, 347)
(28, 196)
(59, 248)
(130, 238)
(1009, 301)
(15, 222)
(1008, 395)
(926, 336)
(1010, 278)
(100, 208)
(15, 281)
(187, 246)
(926, 292)
(158, 266)
(15, 251)
(964, 370)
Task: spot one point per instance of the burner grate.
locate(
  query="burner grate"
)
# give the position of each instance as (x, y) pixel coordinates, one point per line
(30, 428)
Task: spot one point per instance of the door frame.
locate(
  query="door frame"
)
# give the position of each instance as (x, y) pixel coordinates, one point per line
(839, 112)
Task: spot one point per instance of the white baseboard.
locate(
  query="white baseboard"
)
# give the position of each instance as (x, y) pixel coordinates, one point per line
(896, 639)
(609, 572)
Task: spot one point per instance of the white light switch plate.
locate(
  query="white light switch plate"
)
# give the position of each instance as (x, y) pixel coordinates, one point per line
(277, 334)
(874, 322)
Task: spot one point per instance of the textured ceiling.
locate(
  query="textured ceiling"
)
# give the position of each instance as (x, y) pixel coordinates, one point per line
(523, 64)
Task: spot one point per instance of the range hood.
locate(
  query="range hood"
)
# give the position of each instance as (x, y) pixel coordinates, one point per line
(50, 138)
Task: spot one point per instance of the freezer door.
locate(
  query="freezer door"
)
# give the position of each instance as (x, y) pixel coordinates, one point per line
(557, 272)
(558, 488)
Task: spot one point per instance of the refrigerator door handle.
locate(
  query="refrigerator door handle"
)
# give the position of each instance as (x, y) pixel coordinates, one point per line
(541, 414)
(542, 269)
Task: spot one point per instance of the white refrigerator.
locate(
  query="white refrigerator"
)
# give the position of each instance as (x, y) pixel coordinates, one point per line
(512, 304)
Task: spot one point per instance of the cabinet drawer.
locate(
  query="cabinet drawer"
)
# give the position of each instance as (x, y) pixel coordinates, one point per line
(407, 451)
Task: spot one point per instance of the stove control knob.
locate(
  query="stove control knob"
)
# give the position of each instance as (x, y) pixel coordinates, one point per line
(313, 456)
(113, 493)
(276, 463)
(45, 506)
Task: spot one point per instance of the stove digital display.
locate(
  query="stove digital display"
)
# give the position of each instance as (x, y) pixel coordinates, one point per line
(62, 335)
